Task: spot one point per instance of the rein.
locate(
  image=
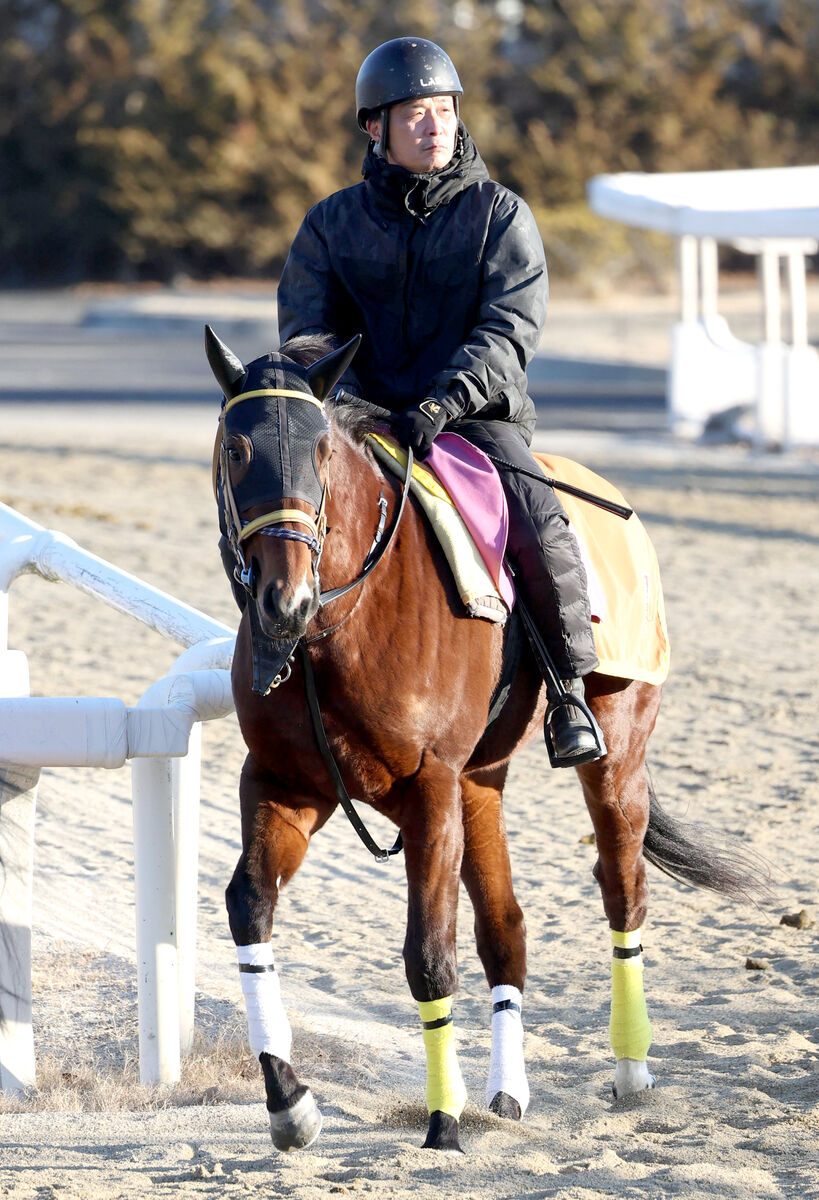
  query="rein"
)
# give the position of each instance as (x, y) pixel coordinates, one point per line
(380, 854)
(375, 554)
(237, 533)
(380, 545)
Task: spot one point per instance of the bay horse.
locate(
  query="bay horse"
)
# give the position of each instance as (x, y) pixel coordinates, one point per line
(402, 683)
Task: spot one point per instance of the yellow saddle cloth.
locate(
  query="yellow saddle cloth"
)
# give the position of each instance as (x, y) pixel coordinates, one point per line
(628, 611)
(631, 635)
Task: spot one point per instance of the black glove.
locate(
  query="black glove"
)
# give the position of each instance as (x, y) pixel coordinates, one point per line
(420, 425)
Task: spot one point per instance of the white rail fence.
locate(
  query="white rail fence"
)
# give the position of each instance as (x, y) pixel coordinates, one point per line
(773, 214)
(162, 734)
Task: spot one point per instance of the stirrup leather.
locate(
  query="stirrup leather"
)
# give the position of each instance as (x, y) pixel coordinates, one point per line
(558, 697)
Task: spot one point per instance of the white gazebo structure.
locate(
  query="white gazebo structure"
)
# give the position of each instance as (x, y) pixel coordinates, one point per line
(771, 213)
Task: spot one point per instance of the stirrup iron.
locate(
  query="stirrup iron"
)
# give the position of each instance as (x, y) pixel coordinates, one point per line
(569, 699)
(558, 697)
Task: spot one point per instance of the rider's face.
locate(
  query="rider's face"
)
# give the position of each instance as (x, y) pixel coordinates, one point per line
(421, 133)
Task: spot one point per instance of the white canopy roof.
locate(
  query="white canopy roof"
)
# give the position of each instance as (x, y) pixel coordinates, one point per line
(779, 202)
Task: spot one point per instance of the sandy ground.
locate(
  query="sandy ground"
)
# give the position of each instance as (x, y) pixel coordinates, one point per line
(736, 1051)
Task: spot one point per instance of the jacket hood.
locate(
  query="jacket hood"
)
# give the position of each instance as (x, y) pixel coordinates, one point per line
(419, 194)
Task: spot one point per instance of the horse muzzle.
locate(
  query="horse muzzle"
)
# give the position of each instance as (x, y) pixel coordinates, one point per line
(286, 608)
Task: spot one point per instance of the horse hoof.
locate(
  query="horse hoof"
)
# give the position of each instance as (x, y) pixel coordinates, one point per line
(504, 1105)
(631, 1077)
(297, 1127)
(442, 1133)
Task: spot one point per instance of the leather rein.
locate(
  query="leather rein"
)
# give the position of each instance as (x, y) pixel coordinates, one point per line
(270, 523)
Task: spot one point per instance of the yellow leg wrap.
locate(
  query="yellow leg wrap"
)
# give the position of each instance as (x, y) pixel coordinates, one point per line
(630, 1028)
(446, 1091)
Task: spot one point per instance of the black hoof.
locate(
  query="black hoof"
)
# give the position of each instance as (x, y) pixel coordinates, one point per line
(295, 1121)
(298, 1127)
(504, 1105)
(442, 1133)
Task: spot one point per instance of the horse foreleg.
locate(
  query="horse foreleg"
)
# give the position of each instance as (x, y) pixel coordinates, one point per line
(617, 796)
(276, 830)
(433, 844)
(500, 935)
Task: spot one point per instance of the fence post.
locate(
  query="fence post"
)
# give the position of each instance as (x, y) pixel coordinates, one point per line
(186, 788)
(156, 933)
(18, 803)
(18, 800)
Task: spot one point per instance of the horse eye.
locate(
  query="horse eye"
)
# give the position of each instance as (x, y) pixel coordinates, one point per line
(234, 455)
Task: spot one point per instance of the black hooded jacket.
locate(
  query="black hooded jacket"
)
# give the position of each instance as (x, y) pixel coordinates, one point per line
(443, 273)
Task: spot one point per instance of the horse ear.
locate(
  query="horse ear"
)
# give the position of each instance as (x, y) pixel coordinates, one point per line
(324, 374)
(227, 368)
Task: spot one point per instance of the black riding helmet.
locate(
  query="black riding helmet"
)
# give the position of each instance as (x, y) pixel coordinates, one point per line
(403, 69)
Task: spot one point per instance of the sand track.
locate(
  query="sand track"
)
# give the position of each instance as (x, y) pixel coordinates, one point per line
(736, 1051)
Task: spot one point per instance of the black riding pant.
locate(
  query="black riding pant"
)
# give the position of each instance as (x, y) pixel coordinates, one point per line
(549, 572)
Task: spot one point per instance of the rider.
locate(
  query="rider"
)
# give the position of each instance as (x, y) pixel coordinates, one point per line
(442, 270)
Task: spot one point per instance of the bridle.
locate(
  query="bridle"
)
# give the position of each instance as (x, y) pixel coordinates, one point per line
(270, 523)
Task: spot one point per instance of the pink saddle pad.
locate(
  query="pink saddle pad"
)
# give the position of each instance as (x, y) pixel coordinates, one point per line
(476, 490)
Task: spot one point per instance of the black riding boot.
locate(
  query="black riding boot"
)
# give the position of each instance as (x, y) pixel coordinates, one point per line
(572, 734)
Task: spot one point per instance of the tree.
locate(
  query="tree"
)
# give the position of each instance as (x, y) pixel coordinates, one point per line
(152, 137)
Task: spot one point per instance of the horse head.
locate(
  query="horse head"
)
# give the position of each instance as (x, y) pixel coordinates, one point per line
(272, 477)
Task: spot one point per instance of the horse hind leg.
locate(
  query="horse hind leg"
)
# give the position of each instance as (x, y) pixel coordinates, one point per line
(500, 935)
(617, 796)
(276, 832)
(433, 845)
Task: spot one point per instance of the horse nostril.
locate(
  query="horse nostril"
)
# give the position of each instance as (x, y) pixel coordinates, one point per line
(270, 600)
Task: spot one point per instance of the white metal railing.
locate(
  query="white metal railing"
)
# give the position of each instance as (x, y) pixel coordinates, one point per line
(773, 214)
(162, 734)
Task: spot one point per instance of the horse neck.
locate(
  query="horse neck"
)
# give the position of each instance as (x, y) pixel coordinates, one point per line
(352, 510)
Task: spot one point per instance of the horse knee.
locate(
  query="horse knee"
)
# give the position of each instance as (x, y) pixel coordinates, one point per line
(250, 914)
(431, 966)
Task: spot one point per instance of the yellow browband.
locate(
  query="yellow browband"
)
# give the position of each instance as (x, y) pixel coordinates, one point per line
(278, 518)
(273, 392)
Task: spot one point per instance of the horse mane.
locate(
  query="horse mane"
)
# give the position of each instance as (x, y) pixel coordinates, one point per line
(351, 414)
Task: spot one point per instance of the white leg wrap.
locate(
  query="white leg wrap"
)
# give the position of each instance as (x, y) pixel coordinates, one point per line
(507, 1070)
(267, 1024)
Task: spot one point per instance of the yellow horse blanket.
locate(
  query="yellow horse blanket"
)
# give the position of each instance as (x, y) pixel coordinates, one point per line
(628, 612)
(631, 635)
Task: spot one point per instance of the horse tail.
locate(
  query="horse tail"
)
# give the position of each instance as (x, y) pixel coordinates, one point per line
(698, 854)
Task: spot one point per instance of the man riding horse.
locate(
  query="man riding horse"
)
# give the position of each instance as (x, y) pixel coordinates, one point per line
(442, 271)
